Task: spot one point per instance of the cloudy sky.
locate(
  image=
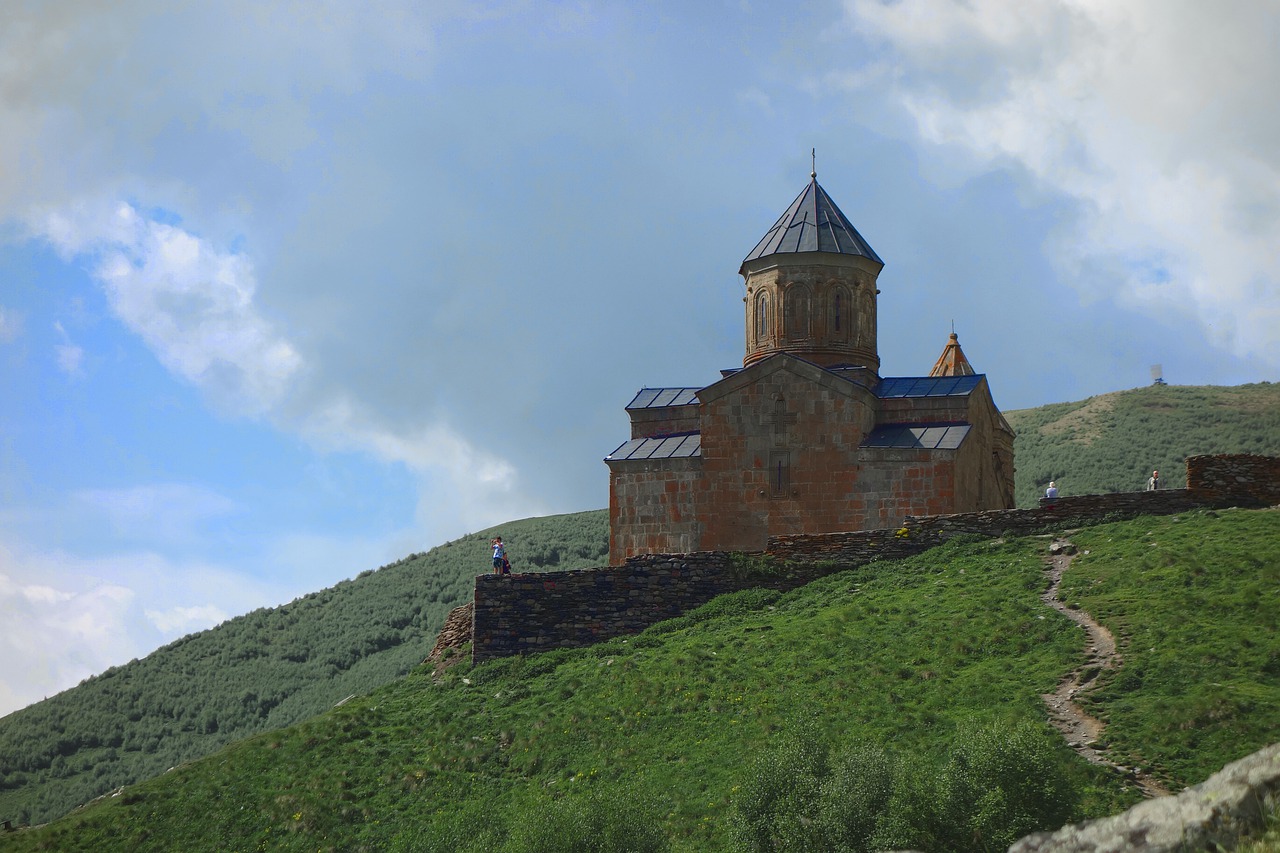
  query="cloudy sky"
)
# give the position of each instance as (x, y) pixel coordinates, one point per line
(291, 290)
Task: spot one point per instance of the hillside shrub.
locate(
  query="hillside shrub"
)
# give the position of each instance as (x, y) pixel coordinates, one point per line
(621, 821)
(777, 803)
(755, 565)
(995, 785)
(853, 797)
(1000, 784)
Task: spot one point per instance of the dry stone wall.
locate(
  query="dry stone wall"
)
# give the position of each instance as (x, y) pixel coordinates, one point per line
(1236, 480)
(518, 614)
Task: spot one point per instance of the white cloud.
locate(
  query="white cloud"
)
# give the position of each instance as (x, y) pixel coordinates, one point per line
(69, 358)
(191, 303)
(88, 88)
(185, 620)
(52, 637)
(64, 617)
(1156, 117)
(461, 487)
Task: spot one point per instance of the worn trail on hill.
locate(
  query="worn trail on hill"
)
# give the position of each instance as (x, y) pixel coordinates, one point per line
(1082, 731)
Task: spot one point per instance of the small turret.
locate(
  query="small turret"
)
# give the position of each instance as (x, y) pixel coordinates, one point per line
(953, 361)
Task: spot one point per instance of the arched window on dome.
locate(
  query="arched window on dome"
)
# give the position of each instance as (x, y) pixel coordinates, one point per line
(841, 304)
(762, 316)
(795, 319)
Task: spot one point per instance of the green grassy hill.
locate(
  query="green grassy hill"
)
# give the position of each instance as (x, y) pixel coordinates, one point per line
(261, 671)
(1112, 442)
(894, 705)
(276, 667)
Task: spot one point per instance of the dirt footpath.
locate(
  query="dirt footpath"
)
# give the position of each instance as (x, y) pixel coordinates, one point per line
(1082, 731)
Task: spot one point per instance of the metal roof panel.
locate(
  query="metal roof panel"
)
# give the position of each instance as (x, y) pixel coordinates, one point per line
(679, 446)
(813, 223)
(927, 386)
(917, 436)
(657, 398)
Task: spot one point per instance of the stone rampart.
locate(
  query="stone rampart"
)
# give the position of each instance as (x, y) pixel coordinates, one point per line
(1241, 479)
(518, 614)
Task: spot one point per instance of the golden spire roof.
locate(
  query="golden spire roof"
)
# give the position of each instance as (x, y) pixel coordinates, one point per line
(952, 362)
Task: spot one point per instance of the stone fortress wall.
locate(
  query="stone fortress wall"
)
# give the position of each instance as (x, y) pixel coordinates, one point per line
(518, 614)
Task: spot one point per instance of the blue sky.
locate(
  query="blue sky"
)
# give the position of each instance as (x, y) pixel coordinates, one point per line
(289, 291)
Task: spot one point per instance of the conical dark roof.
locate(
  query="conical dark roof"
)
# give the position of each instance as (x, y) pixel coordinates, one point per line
(813, 223)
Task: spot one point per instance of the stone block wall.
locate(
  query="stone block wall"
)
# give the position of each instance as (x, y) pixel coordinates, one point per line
(894, 483)
(665, 421)
(652, 508)
(795, 420)
(1238, 479)
(517, 614)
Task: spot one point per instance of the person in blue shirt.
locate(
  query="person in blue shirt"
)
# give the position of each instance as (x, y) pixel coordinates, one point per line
(499, 554)
(1052, 491)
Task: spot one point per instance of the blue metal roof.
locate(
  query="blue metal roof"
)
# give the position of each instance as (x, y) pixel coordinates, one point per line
(928, 386)
(918, 436)
(658, 398)
(813, 223)
(681, 446)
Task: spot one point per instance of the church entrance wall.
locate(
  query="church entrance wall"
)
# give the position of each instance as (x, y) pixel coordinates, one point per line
(652, 509)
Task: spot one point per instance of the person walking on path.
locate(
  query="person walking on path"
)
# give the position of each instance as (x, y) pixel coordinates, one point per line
(499, 554)
(1155, 483)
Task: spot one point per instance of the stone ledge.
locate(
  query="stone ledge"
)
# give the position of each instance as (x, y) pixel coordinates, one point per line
(1229, 805)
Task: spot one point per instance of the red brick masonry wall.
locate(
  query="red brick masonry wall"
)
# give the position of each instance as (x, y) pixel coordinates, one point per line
(517, 614)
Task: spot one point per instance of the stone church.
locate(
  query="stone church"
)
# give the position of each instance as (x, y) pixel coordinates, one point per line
(806, 436)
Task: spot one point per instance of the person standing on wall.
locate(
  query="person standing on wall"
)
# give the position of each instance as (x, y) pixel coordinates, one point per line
(1155, 483)
(499, 554)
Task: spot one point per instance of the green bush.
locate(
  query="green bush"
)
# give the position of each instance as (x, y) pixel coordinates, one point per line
(854, 796)
(778, 801)
(996, 785)
(623, 821)
(1001, 784)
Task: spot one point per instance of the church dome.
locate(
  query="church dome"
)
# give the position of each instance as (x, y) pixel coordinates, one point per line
(813, 223)
(811, 287)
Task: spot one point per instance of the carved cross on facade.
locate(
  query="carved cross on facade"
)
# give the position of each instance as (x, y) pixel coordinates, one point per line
(778, 419)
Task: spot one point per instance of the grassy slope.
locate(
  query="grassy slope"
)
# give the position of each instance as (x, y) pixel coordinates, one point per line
(275, 667)
(894, 653)
(259, 672)
(1111, 442)
(1199, 618)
